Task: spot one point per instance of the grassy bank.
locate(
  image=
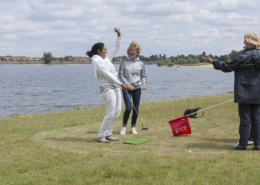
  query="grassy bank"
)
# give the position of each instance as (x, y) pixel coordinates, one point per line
(60, 148)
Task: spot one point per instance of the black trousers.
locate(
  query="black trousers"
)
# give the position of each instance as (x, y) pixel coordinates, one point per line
(251, 136)
(249, 113)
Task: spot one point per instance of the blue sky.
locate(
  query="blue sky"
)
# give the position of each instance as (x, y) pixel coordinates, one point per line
(171, 27)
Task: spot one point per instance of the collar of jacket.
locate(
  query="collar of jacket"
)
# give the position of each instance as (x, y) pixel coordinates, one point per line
(136, 59)
(97, 57)
(106, 63)
(250, 48)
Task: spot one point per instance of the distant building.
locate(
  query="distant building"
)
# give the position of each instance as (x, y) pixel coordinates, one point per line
(25, 58)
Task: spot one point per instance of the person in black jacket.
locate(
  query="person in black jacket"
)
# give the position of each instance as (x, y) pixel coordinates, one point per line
(246, 88)
(251, 137)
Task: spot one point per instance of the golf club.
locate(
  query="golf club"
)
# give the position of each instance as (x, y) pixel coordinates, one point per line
(136, 111)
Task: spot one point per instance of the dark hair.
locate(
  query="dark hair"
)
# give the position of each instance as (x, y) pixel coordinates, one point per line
(95, 48)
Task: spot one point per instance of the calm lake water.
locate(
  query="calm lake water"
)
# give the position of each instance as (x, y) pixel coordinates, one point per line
(35, 89)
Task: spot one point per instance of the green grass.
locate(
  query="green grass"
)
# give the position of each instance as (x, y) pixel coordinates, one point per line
(60, 148)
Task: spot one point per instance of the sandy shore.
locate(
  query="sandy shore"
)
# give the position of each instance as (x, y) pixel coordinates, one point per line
(206, 66)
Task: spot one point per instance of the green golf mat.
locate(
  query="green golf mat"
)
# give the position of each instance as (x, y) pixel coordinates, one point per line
(137, 141)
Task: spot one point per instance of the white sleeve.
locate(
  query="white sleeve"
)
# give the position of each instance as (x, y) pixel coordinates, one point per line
(100, 69)
(111, 54)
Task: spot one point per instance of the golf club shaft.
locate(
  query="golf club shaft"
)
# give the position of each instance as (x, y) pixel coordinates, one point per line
(210, 107)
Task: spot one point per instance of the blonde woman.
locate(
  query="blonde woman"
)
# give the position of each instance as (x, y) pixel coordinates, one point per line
(132, 74)
(106, 75)
(246, 88)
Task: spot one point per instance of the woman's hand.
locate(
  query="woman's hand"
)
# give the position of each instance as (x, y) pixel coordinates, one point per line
(130, 87)
(144, 87)
(117, 30)
(124, 87)
(208, 59)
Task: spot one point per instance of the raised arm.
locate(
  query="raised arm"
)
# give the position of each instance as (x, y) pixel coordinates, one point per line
(111, 54)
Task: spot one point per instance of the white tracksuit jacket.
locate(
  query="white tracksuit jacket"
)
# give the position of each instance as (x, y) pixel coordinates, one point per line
(105, 71)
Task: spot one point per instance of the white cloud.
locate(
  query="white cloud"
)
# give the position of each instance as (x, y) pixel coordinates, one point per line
(10, 36)
(171, 27)
(206, 32)
(6, 18)
(160, 8)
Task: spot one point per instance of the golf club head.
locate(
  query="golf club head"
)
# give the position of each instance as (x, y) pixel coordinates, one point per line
(144, 128)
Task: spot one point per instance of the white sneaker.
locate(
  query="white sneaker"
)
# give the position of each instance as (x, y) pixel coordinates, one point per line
(133, 130)
(249, 143)
(122, 131)
(111, 138)
(102, 140)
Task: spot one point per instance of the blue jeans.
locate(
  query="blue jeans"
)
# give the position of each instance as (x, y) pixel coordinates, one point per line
(135, 95)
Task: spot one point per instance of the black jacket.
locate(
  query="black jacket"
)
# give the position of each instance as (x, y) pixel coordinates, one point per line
(247, 75)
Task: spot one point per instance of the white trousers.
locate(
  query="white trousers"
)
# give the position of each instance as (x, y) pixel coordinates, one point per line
(113, 103)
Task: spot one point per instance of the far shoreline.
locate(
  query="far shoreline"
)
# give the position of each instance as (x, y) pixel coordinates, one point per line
(89, 63)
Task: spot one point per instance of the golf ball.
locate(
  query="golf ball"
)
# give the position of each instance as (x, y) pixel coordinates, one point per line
(190, 151)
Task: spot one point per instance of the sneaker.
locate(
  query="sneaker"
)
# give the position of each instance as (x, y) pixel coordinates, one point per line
(256, 148)
(111, 138)
(102, 140)
(133, 130)
(249, 143)
(122, 131)
(238, 148)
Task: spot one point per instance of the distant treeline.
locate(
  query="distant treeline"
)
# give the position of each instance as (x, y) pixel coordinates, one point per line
(162, 60)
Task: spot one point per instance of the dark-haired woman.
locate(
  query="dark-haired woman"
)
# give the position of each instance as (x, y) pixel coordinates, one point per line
(106, 75)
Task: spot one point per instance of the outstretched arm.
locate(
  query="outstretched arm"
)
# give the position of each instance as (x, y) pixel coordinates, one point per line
(208, 59)
(223, 66)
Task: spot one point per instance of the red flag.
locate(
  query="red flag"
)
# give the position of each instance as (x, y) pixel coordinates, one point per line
(180, 126)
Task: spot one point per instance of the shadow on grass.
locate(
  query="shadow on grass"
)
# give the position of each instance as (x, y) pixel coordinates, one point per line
(91, 132)
(214, 143)
(224, 140)
(71, 139)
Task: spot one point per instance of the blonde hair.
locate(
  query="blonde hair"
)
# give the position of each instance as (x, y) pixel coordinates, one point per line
(134, 45)
(253, 39)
